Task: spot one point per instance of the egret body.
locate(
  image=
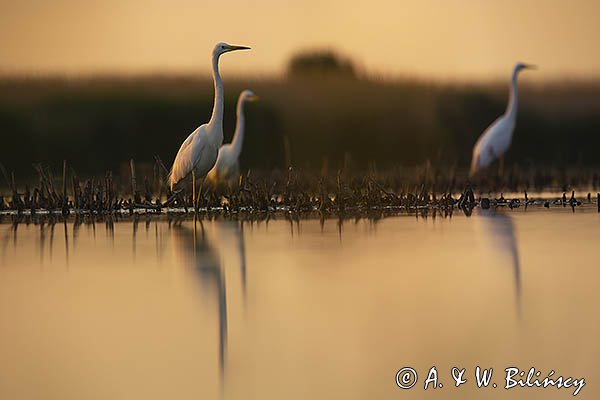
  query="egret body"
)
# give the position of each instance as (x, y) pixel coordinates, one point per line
(227, 165)
(496, 139)
(198, 153)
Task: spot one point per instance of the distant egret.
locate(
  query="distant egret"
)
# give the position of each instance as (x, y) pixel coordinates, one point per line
(496, 139)
(227, 166)
(198, 153)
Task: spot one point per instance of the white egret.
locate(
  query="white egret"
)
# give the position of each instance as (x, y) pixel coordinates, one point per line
(198, 153)
(227, 166)
(496, 139)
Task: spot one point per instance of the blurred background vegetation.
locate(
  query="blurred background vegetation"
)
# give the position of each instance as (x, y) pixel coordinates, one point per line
(324, 113)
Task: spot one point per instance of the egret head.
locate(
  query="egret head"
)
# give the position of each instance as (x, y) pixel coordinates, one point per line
(248, 95)
(521, 66)
(222, 48)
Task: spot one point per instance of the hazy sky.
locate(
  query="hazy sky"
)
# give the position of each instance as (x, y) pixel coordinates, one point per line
(441, 39)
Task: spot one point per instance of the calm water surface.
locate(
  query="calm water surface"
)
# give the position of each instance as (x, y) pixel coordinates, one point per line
(280, 310)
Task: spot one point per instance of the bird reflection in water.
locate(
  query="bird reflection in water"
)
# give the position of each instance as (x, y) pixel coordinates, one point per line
(232, 232)
(206, 263)
(500, 229)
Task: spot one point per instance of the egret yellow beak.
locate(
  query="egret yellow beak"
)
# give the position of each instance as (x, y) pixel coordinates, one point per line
(254, 98)
(233, 48)
(531, 66)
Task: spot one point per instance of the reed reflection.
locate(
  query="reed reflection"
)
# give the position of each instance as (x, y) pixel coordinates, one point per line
(42, 241)
(6, 238)
(136, 221)
(66, 232)
(500, 229)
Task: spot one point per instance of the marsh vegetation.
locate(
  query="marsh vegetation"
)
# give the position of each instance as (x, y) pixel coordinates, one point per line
(100, 123)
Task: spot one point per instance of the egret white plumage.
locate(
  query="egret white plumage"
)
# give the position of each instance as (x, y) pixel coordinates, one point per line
(227, 166)
(198, 153)
(496, 139)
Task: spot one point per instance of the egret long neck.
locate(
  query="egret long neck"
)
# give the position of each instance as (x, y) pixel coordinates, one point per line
(238, 136)
(216, 119)
(513, 101)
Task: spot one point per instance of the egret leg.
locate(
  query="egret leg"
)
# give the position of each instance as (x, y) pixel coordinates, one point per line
(194, 193)
(501, 167)
(198, 201)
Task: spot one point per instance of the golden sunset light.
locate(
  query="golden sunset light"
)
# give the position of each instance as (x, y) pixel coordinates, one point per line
(292, 200)
(453, 39)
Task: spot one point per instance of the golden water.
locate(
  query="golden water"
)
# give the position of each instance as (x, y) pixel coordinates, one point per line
(284, 310)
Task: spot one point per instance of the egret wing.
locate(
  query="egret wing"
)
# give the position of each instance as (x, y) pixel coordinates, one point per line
(186, 158)
(486, 150)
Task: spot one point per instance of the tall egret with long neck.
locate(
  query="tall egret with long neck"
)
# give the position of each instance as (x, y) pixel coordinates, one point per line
(496, 139)
(227, 166)
(198, 153)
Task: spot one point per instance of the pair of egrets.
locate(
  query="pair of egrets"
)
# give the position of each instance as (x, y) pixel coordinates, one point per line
(202, 153)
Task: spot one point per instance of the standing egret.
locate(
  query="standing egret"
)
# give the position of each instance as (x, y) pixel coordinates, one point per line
(198, 153)
(496, 139)
(227, 166)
